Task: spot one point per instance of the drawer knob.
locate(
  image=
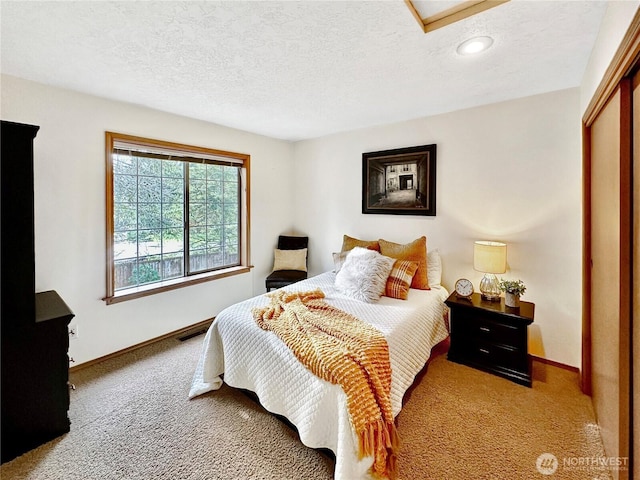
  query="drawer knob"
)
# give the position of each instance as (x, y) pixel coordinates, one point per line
(483, 350)
(485, 329)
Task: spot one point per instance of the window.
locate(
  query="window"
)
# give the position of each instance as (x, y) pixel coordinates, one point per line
(176, 215)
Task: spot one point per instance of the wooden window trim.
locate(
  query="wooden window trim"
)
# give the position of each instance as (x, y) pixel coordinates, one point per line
(145, 290)
(173, 284)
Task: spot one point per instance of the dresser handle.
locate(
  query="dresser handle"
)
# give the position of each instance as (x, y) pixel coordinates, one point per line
(485, 329)
(483, 350)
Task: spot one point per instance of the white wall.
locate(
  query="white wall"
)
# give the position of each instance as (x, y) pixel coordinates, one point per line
(614, 26)
(509, 171)
(70, 211)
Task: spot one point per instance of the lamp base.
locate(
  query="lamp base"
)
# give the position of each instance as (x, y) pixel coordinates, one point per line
(491, 298)
(490, 288)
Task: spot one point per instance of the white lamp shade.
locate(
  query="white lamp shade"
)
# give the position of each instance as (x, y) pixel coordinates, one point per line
(490, 257)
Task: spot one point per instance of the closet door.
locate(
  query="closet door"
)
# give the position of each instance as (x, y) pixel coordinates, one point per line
(611, 249)
(609, 317)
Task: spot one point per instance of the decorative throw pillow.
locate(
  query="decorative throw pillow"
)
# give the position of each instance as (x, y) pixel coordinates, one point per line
(338, 260)
(415, 251)
(399, 280)
(434, 268)
(290, 260)
(364, 275)
(349, 243)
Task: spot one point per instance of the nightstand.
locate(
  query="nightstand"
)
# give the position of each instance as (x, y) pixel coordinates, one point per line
(491, 336)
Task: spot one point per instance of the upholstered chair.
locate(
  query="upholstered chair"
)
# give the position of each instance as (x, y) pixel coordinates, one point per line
(289, 267)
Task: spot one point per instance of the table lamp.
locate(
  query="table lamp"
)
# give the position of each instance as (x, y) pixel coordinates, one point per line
(490, 258)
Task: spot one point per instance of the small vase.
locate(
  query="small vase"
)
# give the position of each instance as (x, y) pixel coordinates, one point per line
(511, 300)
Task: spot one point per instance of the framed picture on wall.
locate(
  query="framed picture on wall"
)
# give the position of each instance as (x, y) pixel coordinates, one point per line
(400, 181)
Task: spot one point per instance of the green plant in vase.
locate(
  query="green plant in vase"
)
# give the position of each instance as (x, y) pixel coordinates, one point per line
(513, 290)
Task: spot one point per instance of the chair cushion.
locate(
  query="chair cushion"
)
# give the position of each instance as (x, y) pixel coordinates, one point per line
(282, 278)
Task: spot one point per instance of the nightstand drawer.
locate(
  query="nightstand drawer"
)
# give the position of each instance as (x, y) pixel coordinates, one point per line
(484, 329)
(497, 355)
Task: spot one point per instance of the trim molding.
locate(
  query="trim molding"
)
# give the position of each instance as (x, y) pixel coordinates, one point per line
(175, 333)
(462, 10)
(585, 375)
(555, 364)
(621, 65)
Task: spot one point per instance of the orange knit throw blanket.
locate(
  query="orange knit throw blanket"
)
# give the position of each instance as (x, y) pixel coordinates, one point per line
(343, 350)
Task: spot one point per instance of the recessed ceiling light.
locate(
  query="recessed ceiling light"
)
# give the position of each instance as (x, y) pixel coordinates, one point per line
(474, 45)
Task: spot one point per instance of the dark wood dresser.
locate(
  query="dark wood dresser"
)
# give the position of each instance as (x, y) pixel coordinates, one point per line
(34, 327)
(491, 336)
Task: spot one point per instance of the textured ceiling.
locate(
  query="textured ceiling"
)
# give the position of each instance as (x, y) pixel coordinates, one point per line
(296, 69)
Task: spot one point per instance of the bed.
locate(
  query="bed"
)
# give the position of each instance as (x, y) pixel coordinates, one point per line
(254, 359)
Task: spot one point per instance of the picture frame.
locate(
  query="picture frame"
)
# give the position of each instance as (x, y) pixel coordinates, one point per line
(401, 181)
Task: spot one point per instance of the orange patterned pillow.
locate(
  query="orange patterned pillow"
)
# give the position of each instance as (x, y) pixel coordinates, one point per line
(415, 251)
(400, 278)
(349, 243)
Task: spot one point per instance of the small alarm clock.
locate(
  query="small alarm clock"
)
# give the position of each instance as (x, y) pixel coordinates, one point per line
(464, 288)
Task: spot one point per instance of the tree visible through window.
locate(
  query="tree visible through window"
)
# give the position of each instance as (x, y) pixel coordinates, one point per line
(175, 211)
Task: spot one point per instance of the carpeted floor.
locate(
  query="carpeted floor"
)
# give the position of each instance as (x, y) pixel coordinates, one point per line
(131, 419)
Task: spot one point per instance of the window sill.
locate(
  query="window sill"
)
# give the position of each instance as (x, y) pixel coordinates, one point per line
(146, 290)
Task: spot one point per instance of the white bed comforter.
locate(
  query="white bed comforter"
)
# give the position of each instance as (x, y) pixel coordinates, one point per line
(257, 360)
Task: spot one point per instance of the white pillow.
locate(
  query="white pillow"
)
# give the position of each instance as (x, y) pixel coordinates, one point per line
(338, 260)
(364, 274)
(434, 268)
(290, 259)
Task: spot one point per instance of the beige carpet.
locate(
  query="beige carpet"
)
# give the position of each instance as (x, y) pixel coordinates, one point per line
(131, 419)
